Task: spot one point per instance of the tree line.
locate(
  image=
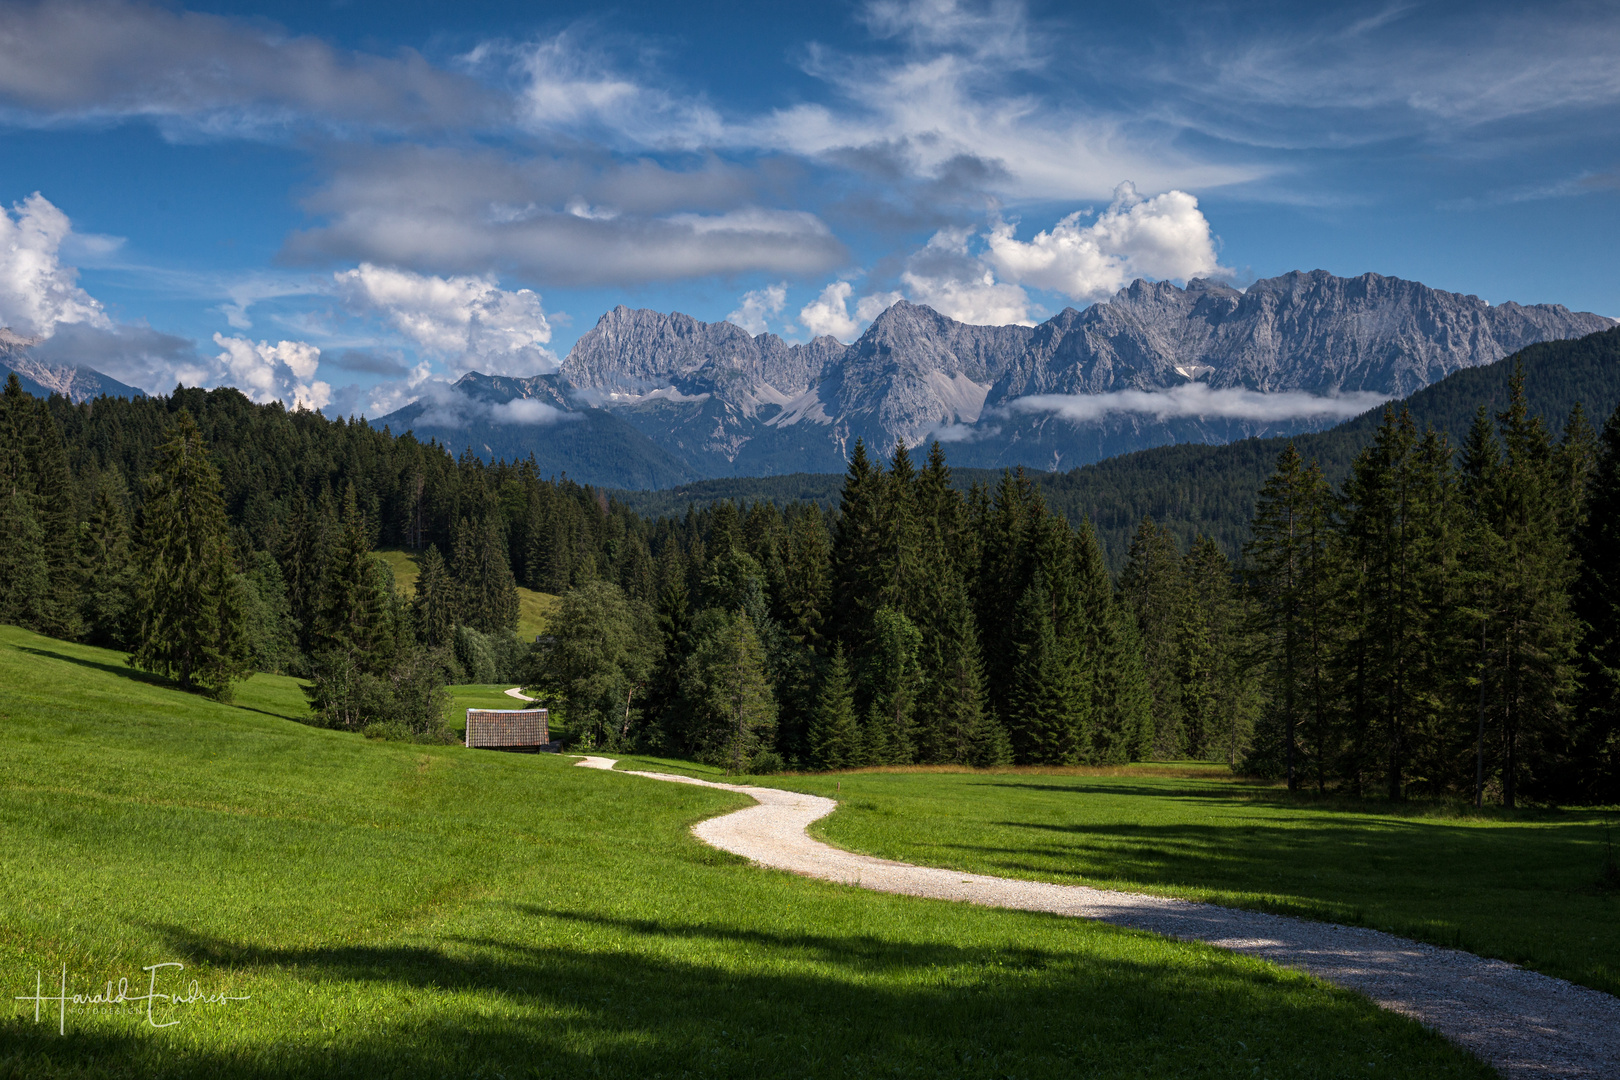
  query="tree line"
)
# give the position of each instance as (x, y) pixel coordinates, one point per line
(1439, 624)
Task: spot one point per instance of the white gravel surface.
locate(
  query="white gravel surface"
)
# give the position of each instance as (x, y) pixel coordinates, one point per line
(1523, 1023)
(517, 692)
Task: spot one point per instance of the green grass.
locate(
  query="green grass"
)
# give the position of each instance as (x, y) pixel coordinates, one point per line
(395, 910)
(1521, 886)
(534, 608)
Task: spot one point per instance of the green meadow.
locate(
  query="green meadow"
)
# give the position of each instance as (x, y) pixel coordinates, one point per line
(398, 910)
(534, 608)
(1523, 886)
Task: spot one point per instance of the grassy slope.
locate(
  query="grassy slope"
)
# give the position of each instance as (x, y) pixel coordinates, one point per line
(1520, 886)
(534, 608)
(398, 910)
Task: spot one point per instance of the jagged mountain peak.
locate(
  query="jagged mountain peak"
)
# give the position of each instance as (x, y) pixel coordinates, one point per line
(725, 402)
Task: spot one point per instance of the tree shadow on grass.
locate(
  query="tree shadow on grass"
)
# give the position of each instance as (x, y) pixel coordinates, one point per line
(668, 998)
(122, 671)
(148, 678)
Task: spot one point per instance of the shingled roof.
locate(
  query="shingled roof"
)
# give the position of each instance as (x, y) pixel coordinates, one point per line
(508, 729)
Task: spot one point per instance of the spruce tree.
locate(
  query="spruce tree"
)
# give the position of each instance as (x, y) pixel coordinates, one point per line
(56, 506)
(1290, 587)
(1151, 587)
(1597, 602)
(894, 680)
(834, 735)
(109, 588)
(1539, 632)
(1042, 697)
(189, 605)
(434, 606)
(354, 617)
(804, 595)
(25, 579)
(743, 693)
(857, 553)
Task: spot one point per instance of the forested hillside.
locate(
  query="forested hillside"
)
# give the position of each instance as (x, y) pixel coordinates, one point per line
(1211, 490)
(1441, 621)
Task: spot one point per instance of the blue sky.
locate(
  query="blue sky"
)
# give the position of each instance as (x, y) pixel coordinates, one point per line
(343, 204)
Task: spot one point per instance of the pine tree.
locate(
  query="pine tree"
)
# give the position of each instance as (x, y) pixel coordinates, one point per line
(857, 553)
(25, 580)
(109, 590)
(1214, 701)
(56, 506)
(804, 595)
(834, 736)
(1597, 602)
(1151, 587)
(1290, 587)
(27, 595)
(1042, 697)
(354, 617)
(743, 692)
(1538, 631)
(895, 682)
(434, 605)
(190, 608)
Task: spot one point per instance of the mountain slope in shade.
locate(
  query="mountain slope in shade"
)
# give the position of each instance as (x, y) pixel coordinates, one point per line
(74, 382)
(501, 417)
(717, 401)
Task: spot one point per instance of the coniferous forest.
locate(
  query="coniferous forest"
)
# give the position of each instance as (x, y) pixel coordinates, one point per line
(1441, 623)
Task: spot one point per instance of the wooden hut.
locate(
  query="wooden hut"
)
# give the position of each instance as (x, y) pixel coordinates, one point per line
(523, 730)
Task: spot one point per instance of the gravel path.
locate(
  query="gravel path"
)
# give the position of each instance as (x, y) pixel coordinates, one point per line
(1523, 1023)
(517, 692)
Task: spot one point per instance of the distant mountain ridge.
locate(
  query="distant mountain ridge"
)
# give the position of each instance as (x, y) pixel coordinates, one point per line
(73, 381)
(713, 400)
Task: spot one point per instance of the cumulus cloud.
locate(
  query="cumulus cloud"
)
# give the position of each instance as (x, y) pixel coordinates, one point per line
(470, 321)
(37, 292)
(282, 372)
(828, 314)
(98, 59)
(758, 307)
(946, 277)
(1162, 237)
(1200, 401)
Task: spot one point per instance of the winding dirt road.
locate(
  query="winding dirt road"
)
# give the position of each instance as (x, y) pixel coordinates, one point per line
(1524, 1023)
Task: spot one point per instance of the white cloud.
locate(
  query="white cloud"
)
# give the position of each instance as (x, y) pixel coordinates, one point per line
(445, 406)
(567, 87)
(1162, 237)
(570, 222)
(91, 60)
(1199, 400)
(872, 305)
(945, 277)
(961, 90)
(37, 292)
(758, 307)
(470, 321)
(282, 372)
(829, 313)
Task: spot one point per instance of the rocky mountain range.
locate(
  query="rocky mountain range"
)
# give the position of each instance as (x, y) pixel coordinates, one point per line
(75, 382)
(677, 399)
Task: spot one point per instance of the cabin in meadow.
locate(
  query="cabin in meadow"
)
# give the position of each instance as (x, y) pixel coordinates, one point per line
(523, 730)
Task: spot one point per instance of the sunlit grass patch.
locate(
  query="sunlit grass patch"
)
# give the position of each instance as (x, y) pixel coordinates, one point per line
(402, 910)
